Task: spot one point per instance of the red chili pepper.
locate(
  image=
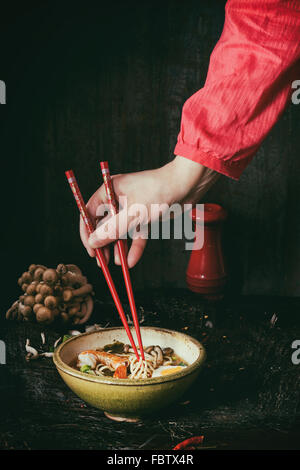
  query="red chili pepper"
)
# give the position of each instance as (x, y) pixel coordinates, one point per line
(189, 444)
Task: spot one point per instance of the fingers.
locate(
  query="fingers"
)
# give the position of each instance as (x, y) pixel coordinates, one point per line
(97, 200)
(135, 253)
(116, 252)
(113, 229)
(136, 250)
(85, 237)
(106, 252)
(116, 255)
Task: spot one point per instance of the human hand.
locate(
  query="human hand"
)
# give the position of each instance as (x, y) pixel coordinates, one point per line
(180, 181)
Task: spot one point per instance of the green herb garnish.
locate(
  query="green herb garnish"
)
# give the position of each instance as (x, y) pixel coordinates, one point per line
(85, 368)
(66, 337)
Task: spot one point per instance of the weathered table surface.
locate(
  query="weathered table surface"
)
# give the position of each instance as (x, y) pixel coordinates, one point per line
(247, 396)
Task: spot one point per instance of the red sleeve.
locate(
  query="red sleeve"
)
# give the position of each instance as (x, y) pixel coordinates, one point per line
(249, 83)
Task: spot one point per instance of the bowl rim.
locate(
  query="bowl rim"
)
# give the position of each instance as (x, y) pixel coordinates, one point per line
(62, 366)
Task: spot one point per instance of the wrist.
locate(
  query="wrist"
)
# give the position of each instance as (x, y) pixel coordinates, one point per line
(183, 177)
(189, 180)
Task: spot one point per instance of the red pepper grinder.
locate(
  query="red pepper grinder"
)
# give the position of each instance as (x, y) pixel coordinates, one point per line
(206, 272)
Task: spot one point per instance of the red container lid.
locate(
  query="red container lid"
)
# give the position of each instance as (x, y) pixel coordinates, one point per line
(211, 213)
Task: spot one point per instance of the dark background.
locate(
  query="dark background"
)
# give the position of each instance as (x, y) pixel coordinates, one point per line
(93, 81)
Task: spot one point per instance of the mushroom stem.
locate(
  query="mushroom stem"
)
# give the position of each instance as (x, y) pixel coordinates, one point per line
(12, 311)
(83, 290)
(32, 352)
(89, 308)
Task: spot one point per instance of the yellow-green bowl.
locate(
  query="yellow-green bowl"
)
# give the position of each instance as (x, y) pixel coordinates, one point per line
(124, 398)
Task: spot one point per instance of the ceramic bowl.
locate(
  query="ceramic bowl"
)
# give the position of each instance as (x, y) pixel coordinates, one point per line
(126, 399)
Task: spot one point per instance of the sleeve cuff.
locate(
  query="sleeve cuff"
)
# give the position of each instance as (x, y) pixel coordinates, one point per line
(233, 169)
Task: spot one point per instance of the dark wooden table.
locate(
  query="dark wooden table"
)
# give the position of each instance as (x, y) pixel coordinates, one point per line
(247, 396)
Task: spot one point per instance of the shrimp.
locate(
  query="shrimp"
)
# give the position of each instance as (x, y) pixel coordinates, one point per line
(92, 357)
(121, 372)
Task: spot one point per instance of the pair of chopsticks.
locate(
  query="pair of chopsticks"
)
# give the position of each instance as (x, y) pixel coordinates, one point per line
(101, 258)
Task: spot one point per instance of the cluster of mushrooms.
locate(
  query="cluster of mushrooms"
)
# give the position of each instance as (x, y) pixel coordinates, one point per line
(48, 294)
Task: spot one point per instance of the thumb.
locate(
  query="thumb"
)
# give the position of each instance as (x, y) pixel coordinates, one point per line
(113, 229)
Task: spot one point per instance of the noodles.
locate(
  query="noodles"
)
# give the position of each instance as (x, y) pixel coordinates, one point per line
(141, 369)
(100, 368)
(119, 360)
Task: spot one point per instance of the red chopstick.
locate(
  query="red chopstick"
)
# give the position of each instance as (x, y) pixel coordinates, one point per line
(121, 247)
(99, 254)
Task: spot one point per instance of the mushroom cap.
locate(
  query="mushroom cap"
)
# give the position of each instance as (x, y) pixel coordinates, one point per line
(24, 309)
(62, 268)
(45, 289)
(26, 277)
(168, 351)
(160, 356)
(44, 315)
(50, 276)
(27, 311)
(38, 274)
(29, 300)
(50, 301)
(31, 289)
(75, 279)
(39, 298)
(38, 287)
(32, 268)
(36, 307)
(73, 268)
